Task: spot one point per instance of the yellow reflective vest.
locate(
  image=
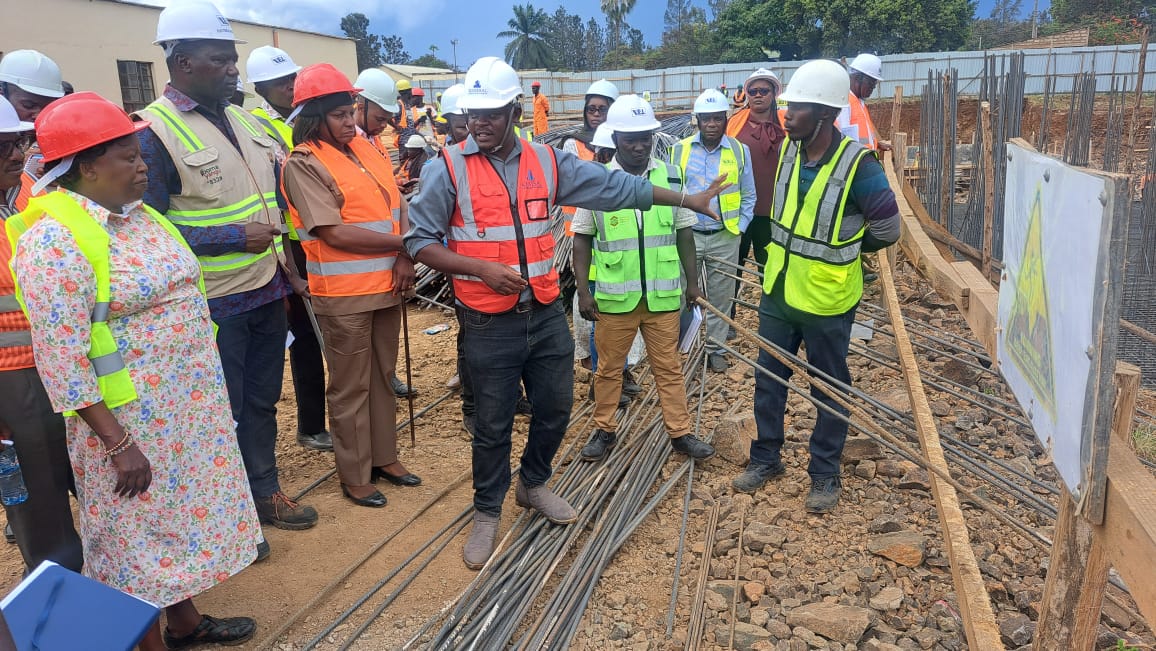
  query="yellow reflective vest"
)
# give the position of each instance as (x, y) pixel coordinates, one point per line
(731, 163)
(283, 134)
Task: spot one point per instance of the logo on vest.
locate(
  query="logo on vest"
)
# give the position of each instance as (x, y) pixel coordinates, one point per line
(530, 183)
(212, 175)
(614, 221)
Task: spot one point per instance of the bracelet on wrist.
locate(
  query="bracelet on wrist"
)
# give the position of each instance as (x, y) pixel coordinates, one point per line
(123, 445)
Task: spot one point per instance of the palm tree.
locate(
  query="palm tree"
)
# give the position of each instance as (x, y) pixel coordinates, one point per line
(616, 11)
(527, 48)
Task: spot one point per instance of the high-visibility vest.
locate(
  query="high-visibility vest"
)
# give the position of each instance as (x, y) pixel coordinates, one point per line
(220, 186)
(524, 133)
(732, 162)
(282, 134)
(367, 203)
(855, 123)
(633, 261)
(112, 376)
(489, 224)
(741, 116)
(821, 271)
(15, 333)
(587, 154)
(25, 191)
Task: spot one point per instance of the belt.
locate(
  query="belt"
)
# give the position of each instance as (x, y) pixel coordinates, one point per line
(519, 308)
(705, 231)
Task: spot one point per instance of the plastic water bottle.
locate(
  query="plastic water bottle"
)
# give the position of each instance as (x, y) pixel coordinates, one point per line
(12, 489)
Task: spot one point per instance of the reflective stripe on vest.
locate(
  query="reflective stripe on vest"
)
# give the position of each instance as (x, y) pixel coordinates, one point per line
(731, 162)
(488, 224)
(112, 377)
(631, 261)
(276, 129)
(821, 272)
(855, 122)
(222, 186)
(367, 189)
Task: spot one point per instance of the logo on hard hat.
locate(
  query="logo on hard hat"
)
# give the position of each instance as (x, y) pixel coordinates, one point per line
(478, 83)
(279, 59)
(638, 111)
(224, 21)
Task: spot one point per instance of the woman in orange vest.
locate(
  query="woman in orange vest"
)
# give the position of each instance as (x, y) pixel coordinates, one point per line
(345, 204)
(760, 127)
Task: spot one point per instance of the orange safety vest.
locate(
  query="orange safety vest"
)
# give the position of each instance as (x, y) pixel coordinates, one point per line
(586, 154)
(15, 332)
(25, 192)
(856, 115)
(488, 224)
(739, 120)
(371, 201)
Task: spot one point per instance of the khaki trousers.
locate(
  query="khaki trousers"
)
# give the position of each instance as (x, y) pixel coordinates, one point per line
(612, 338)
(361, 350)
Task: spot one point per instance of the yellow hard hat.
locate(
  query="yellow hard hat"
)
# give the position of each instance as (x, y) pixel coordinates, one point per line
(403, 84)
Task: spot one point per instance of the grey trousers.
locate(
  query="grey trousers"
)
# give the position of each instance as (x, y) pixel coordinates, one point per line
(720, 289)
(43, 523)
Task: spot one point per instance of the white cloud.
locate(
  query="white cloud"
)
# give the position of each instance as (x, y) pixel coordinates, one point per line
(385, 16)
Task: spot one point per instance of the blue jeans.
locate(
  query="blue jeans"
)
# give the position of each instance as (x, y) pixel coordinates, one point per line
(827, 339)
(532, 347)
(252, 346)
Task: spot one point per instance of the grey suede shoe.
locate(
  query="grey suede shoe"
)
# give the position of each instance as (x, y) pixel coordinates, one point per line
(480, 545)
(542, 499)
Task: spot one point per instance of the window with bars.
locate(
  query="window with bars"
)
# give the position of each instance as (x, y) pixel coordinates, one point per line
(136, 84)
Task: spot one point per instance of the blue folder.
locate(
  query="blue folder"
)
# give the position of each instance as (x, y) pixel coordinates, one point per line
(55, 609)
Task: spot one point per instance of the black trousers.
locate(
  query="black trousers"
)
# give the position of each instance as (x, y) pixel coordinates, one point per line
(305, 360)
(43, 523)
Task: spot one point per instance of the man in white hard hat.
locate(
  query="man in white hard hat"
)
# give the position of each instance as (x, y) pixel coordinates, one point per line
(491, 199)
(703, 157)
(29, 81)
(376, 106)
(832, 203)
(212, 170)
(866, 70)
(273, 72)
(638, 288)
(42, 525)
(454, 114)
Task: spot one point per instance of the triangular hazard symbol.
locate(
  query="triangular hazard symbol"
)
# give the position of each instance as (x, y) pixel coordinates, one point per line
(1029, 333)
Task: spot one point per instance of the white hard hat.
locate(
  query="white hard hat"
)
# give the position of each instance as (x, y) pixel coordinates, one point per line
(763, 73)
(451, 98)
(188, 20)
(602, 137)
(711, 101)
(868, 64)
(10, 122)
(378, 87)
(267, 63)
(631, 114)
(603, 88)
(241, 88)
(819, 82)
(490, 83)
(32, 72)
(415, 141)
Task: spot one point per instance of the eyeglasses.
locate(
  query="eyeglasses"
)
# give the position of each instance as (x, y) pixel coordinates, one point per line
(597, 110)
(488, 115)
(759, 91)
(23, 142)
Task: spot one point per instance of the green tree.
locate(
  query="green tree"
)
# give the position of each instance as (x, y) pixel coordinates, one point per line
(681, 14)
(567, 37)
(393, 50)
(595, 47)
(616, 12)
(431, 59)
(527, 47)
(1079, 11)
(356, 27)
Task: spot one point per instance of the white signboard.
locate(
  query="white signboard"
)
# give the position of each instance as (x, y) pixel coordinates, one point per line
(1051, 304)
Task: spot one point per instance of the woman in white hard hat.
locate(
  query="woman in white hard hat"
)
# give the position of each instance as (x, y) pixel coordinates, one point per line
(759, 127)
(165, 507)
(346, 207)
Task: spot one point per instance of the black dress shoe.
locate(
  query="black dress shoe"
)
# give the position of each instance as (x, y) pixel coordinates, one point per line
(691, 446)
(599, 446)
(263, 551)
(375, 499)
(321, 441)
(408, 479)
(623, 399)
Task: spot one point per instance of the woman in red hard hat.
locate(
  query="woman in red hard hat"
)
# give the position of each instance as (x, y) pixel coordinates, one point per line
(345, 204)
(124, 343)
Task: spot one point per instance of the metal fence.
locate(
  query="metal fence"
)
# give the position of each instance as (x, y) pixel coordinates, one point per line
(676, 88)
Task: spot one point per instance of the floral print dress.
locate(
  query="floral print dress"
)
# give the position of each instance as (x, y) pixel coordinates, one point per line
(196, 524)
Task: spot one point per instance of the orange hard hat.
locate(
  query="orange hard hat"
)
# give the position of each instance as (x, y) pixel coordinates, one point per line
(417, 92)
(319, 80)
(79, 121)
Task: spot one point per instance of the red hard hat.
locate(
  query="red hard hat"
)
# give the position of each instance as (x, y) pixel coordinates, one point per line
(319, 80)
(76, 122)
(417, 92)
(536, 84)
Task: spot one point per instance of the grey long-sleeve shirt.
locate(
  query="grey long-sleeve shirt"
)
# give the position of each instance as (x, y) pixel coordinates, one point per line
(580, 183)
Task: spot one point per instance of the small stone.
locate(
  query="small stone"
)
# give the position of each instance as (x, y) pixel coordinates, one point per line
(733, 436)
(940, 408)
(915, 479)
(876, 645)
(779, 630)
(844, 624)
(715, 601)
(754, 591)
(904, 547)
(865, 469)
(884, 524)
(889, 598)
(964, 422)
(892, 467)
(858, 449)
(619, 631)
(759, 537)
(616, 600)
(760, 616)
(1015, 628)
(746, 635)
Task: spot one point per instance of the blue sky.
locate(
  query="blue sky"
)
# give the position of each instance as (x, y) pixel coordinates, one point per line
(422, 23)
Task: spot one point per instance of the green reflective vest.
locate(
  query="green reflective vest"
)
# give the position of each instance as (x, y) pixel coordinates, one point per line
(112, 377)
(821, 272)
(283, 134)
(631, 261)
(524, 133)
(732, 162)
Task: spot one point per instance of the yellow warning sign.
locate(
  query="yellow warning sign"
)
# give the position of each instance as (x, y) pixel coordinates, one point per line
(1029, 334)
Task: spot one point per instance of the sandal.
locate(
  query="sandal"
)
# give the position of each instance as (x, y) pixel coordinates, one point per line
(230, 631)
